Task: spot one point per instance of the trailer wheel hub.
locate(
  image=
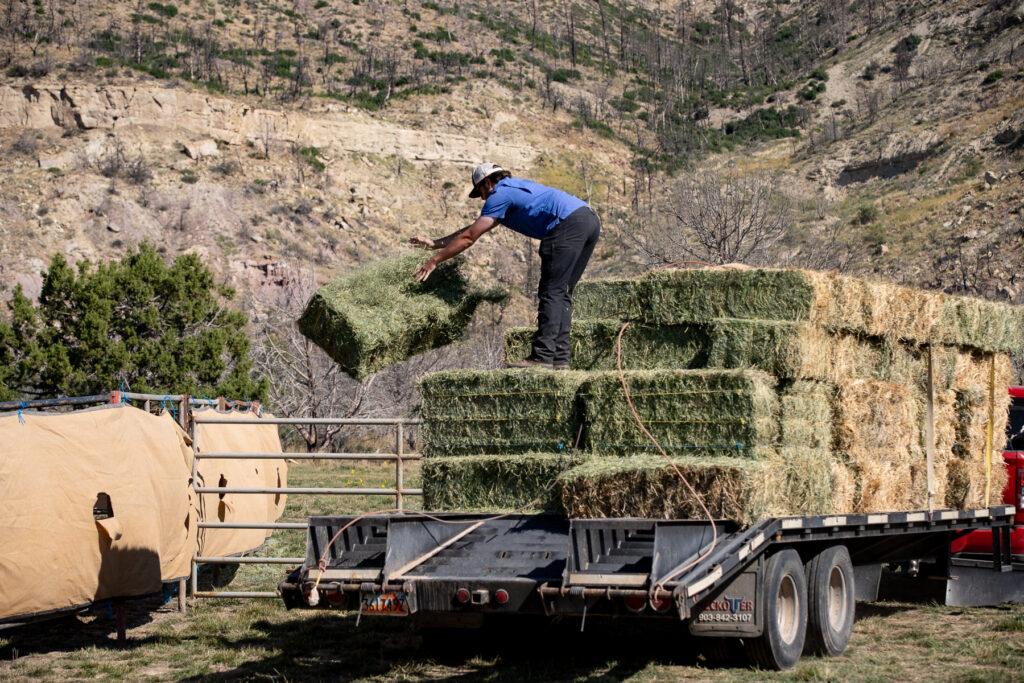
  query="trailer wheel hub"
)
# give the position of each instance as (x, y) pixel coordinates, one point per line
(836, 599)
(787, 609)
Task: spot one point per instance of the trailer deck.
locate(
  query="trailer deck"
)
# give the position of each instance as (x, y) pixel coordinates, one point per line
(548, 564)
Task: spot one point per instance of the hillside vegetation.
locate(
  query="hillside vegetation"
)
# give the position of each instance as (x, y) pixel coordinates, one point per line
(283, 141)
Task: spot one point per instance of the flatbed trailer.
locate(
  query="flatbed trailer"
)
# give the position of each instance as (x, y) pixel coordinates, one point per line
(784, 585)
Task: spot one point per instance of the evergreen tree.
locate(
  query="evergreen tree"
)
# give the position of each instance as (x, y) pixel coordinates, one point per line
(155, 327)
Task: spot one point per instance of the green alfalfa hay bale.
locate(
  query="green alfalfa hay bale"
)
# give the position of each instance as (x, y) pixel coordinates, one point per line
(468, 412)
(644, 347)
(802, 350)
(837, 302)
(378, 315)
(730, 411)
(791, 481)
(984, 325)
(780, 348)
(903, 363)
(698, 295)
(612, 299)
(495, 483)
(785, 349)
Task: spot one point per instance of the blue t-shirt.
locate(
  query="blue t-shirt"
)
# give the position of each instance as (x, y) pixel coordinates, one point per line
(528, 207)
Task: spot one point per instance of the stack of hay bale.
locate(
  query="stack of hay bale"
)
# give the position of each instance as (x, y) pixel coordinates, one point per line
(775, 392)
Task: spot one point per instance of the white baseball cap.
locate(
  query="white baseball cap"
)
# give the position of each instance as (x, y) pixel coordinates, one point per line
(482, 171)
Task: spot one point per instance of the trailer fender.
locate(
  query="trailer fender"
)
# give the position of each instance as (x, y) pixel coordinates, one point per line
(734, 611)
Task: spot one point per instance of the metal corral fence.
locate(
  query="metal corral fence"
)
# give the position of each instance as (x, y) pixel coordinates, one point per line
(399, 491)
(180, 406)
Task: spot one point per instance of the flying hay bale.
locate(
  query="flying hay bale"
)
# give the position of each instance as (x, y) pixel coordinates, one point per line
(778, 482)
(726, 411)
(379, 315)
(469, 412)
(495, 482)
(836, 302)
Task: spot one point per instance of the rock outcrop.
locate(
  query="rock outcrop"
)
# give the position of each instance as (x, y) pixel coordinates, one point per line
(197, 115)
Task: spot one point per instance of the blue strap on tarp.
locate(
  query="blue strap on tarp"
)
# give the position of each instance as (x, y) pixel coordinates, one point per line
(168, 404)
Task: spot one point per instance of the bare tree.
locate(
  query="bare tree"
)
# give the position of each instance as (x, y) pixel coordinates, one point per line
(304, 381)
(266, 135)
(604, 34)
(826, 248)
(712, 218)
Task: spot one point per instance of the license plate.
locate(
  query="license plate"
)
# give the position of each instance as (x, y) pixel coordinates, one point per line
(386, 604)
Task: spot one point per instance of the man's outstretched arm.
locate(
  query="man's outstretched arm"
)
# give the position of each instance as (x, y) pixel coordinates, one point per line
(440, 242)
(455, 244)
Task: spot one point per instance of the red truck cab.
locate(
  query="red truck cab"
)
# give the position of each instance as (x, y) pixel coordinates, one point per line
(980, 541)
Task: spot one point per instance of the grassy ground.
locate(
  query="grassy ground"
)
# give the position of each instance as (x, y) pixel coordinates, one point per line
(260, 640)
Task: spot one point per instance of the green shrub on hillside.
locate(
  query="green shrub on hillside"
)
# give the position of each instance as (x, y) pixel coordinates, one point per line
(866, 214)
(168, 10)
(767, 124)
(564, 75)
(154, 326)
(991, 77)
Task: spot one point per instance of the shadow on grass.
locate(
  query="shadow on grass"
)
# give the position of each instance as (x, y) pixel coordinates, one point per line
(867, 610)
(331, 647)
(94, 626)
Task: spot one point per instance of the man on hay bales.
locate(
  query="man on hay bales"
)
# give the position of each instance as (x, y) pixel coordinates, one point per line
(567, 229)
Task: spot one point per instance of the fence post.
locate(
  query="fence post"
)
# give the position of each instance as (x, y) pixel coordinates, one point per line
(189, 426)
(399, 468)
(184, 415)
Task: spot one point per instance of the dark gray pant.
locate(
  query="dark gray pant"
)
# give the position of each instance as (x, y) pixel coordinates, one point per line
(564, 254)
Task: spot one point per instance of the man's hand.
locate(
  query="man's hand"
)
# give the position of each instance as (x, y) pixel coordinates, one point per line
(423, 242)
(452, 245)
(425, 270)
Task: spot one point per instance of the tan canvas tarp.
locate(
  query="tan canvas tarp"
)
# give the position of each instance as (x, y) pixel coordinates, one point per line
(53, 553)
(249, 473)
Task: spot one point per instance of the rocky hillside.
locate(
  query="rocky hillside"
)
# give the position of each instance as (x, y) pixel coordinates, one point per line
(280, 139)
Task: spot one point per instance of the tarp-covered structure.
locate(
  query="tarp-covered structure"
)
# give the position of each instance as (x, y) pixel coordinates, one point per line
(96, 504)
(238, 473)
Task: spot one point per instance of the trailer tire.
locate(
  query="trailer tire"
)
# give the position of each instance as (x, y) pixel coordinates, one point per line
(784, 606)
(831, 602)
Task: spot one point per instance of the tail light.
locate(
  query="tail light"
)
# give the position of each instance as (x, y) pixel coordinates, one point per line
(462, 595)
(501, 596)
